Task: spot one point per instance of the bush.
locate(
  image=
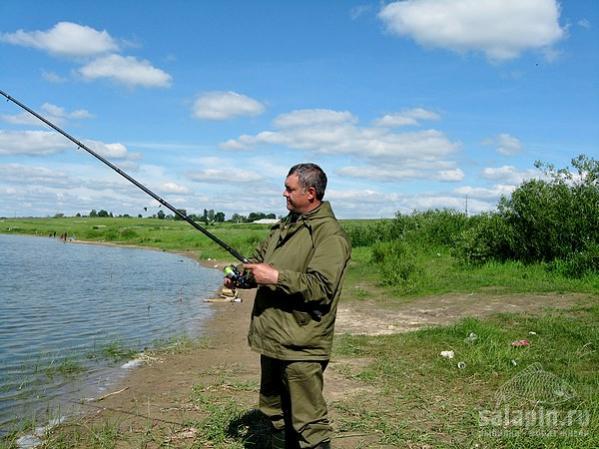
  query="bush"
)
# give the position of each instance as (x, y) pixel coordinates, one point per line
(578, 264)
(128, 233)
(488, 238)
(436, 227)
(396, 261)
(554, 220)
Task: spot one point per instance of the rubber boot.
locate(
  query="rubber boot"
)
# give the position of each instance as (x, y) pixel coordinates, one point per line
(278, 439)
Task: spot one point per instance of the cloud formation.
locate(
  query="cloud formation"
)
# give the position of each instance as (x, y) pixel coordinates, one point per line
(126, 70)
(55, 114)
(508, 174)
(384, 172)
(338, 134)
(43, 143)
(501, 29)
(506, 144)
(219, 105)
(225, 176)
(65, 39)
(96, 48)
(406, 118)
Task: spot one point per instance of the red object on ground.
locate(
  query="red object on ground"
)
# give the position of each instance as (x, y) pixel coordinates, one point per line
(519, 343)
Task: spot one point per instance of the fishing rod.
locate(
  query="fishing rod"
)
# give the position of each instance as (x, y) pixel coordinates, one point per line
(229, 271)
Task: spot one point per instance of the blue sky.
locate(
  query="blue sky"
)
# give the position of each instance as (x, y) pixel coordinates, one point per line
(406, 105)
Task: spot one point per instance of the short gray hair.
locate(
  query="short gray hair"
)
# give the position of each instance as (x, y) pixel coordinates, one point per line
(310, 175)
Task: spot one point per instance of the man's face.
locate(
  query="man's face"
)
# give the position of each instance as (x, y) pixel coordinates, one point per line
(299, 200)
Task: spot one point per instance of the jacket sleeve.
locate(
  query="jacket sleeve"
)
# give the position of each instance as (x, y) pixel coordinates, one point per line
(321, 279)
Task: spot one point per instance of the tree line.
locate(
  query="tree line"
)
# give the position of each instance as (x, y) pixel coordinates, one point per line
(208, 216)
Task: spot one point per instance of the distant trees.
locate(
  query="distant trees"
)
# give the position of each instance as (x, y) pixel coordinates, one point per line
(253, 216)
(182, 211)
(160, 215)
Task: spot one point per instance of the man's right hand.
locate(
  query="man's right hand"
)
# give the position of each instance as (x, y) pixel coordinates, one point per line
(228, 283)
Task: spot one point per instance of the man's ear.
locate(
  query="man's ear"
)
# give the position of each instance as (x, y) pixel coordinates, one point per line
(311, 191)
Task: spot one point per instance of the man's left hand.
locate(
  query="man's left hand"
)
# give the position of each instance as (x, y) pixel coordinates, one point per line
(263, 273)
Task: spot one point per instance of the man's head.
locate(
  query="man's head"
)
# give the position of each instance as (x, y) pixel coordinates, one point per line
(304, 188)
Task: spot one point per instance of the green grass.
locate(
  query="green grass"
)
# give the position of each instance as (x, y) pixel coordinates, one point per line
(65, 368)
(423, 398)
(425, 271)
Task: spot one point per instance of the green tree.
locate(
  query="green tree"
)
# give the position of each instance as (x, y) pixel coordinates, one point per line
(103, 213)
(93, 213)
(160, 215)
(552, 219)
(219, 217)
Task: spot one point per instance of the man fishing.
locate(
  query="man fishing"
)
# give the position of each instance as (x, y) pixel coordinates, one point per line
(299, 270)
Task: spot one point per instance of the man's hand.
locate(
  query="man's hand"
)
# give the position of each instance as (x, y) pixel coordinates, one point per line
(264, 274)
(228, 283)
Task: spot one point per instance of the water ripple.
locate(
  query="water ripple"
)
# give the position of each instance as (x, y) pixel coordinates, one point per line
(62, 303)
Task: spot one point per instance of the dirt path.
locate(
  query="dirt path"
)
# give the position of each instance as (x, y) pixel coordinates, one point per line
(161, 391)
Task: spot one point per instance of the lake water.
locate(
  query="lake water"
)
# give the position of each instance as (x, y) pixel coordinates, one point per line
(63, 304)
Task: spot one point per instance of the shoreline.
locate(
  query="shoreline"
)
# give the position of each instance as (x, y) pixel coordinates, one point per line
(131, 377)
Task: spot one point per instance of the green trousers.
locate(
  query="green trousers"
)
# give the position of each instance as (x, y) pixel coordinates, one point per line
(291, 397)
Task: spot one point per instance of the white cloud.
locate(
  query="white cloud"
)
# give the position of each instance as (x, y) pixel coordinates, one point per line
(493, 193)
(80, 114)
(19, 174)
(171, 187)
(406, 118)
(53, 77)
(340, 136)
(359, 10)
(53, 113)
(502, 29)
(65, 39)
(23, 118)
(508, 174)
(384, 173)
(380, 174)
(108, 150)
(584, 23)
(31, 143)
(310, 117)
(42, 143)
(126, 70)
(225, 105)
(506, 144)
(450, 175)
(215, 175)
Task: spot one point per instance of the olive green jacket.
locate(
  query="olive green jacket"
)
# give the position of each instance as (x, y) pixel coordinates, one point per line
(295, 319)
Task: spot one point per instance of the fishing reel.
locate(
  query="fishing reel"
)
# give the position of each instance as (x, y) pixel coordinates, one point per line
(240, 279)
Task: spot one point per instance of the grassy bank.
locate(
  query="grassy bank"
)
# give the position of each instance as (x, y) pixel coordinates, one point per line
(399, 392)
(424, 399)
